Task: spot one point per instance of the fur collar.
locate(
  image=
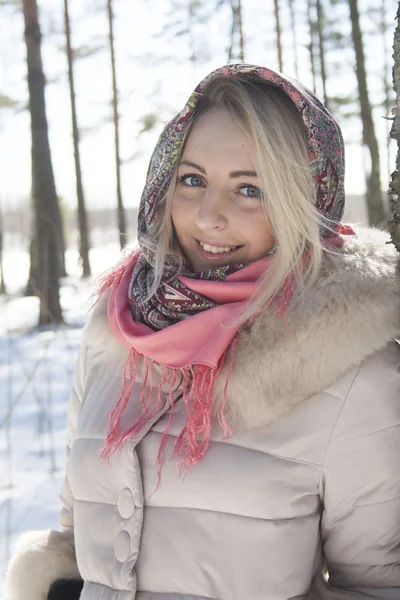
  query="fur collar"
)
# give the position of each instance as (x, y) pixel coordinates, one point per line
(351, 311)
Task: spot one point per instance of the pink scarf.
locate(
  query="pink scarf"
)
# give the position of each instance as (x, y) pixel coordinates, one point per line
(196, 348)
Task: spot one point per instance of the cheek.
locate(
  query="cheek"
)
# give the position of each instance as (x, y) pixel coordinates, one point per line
(259, 234)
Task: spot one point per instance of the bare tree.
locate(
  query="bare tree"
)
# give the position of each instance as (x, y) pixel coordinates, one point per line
(321, 41)
(43, 184)
(278, 34)
(121, 210)
(82, 218)
(293, 27)
(376, 211)
(394, 186)
(59, 223)
(311, 48)
(236, 47)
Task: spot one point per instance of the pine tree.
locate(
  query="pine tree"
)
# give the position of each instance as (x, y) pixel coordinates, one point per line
(311, 45)
(44, 194)
(278, 34)
(82, 217)
(321, 42)
(236, 47)
(120, 204)
(376, 211)
(293, 27)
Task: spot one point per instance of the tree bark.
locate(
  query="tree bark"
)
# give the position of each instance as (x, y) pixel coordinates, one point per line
(121, 210)
(394, 185)
(82, 217)
(236, 48)
(43, 184)
(278, 34)
(376, 211)
(320, 28)
(59, 221)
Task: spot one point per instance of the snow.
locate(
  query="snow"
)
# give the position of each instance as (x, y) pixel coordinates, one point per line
(36, 371)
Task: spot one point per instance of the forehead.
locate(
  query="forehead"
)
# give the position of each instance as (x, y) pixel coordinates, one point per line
(217, 132)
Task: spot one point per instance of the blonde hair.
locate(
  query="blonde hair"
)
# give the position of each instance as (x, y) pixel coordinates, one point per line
(271, 120)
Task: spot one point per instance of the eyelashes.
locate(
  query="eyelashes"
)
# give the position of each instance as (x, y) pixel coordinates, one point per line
(252, 190)
(255, 191)
(182, 179)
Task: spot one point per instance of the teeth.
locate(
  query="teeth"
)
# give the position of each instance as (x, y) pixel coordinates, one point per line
(217, 249)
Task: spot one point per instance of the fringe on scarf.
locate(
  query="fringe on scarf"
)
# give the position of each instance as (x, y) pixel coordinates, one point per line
(198, 388)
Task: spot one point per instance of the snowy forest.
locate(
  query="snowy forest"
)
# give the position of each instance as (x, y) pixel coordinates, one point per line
(85, 89)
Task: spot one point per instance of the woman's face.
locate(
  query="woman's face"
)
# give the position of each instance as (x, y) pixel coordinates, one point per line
(216, 210)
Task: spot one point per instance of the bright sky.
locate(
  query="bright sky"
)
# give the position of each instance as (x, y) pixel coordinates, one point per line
(154, 75)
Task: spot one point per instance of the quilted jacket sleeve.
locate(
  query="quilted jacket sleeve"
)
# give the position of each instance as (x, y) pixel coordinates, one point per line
(360, 487)
(66, 519)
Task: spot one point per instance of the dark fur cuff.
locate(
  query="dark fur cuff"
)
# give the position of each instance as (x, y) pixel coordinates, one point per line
(65, 589)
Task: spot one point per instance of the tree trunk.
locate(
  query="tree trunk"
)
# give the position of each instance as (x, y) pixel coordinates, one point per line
(320, 28)
(394, 186)
(293, 27)
(82, 220)
(236, 48)
(376, 211)
(278, 34)
(311, 44)
(61, 238)
(121, 210)
(31, 288)
(43, 185)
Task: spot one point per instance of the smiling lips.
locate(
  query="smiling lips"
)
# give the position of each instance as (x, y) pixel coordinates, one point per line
(209, 249)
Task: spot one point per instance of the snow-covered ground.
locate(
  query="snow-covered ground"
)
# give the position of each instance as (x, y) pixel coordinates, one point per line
(36, 370)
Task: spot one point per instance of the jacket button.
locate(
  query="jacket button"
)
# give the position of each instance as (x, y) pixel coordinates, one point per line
(126, 504)
(122, 546)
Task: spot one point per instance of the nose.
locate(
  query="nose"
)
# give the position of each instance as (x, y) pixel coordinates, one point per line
(212, 211)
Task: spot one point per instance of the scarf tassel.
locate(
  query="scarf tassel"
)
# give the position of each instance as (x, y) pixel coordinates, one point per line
(198, 383)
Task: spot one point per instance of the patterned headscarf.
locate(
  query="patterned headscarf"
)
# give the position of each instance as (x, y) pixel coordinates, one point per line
(174, 301)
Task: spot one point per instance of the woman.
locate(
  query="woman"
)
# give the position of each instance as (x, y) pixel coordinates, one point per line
(251, 339)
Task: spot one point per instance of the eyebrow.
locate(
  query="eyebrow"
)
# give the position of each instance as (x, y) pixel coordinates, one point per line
(232, 174)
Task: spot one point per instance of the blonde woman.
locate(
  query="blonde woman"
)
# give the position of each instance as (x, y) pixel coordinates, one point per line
(234, 422)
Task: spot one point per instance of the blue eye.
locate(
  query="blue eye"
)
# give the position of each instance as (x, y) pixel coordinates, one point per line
(191, 180)
(252, 191)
